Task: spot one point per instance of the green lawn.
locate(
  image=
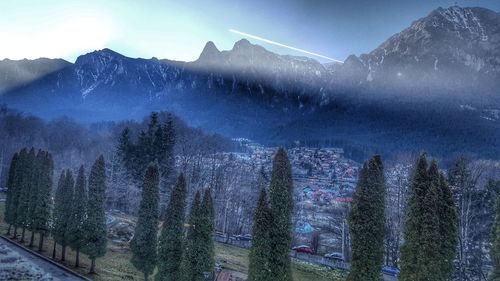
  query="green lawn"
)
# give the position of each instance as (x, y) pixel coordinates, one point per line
(236, 259)
(115, 265)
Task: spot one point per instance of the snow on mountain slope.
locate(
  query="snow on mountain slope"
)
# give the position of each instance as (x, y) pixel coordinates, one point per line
(450, 48)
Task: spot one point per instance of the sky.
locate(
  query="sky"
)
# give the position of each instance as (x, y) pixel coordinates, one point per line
(179, 30)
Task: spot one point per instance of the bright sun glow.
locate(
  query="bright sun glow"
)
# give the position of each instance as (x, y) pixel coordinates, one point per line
(66, 37)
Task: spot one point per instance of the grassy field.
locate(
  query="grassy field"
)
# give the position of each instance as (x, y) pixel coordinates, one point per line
(236, 259)
(115, 265)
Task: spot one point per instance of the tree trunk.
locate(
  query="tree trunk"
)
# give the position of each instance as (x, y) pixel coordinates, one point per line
(32, 239)
(77, 259)
(40, 243)
(15, 232)
(63, 253)
(92, 266)
(54, 251)
(8, 230)
(145, 276)
(22, 235)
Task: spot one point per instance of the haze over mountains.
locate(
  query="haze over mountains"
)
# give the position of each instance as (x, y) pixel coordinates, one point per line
(453, 49)
(401, 96)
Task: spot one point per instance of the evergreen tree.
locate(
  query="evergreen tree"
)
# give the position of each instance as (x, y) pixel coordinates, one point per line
(367, 221)
(12, 198)
(154, 144)
(144, 243)
(428, 252)
(448, 227)
(25, 190)
(62, 209)
(206, 231)
(167, 144)
(281, 202)
(190, 268)
(43, 205)
(430, 231)
(495, 250)
(259, 253)
(125, 148)
(58, 212)
(409, 252)
(18, 181)
(95, 224)
(78, 215)
(37, 169)
(63, 237)
(171, 242)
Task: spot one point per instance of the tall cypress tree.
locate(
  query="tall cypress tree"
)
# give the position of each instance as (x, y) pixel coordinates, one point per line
(171, 243)
(43, 205)
(281, 202)
(78, 215)
(12, 198)
(409, 252)
(95, 224)
(37, 170)
(430, 231)
(366, 222)
(143, 245)
(448, 227)
(167, 144)
(25, 190)
(428, 251)
(495, 250)
(190, 261)
(206, 231)
(259, 253)
(62, 209)
(125, 148)
(69, 189)
(19, 174)
(58, 213)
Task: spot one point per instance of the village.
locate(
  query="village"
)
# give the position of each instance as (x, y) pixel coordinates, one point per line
(324, 181)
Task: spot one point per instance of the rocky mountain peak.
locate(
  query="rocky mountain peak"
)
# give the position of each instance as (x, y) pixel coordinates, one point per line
(242, 44)
(210, 52)
(243, 47)
(450, 48)
(104, 55)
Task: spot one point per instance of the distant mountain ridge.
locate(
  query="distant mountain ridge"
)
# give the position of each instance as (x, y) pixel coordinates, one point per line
(16, 73)
(452, 48)
(449, 59)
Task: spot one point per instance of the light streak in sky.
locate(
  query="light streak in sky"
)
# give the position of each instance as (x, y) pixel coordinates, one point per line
(281, 45)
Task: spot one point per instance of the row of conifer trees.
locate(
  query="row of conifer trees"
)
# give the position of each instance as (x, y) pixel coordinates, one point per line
(189, 255)
(430, 233)
(272, 229)
(178, 254)
(74, 216)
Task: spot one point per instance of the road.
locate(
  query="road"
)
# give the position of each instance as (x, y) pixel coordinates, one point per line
(390, 278)
(28, 265)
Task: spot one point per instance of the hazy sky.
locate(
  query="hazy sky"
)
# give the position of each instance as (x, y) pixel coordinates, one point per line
(179, 29)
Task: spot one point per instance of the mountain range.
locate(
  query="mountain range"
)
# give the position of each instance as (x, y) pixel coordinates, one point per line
(401, 96)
